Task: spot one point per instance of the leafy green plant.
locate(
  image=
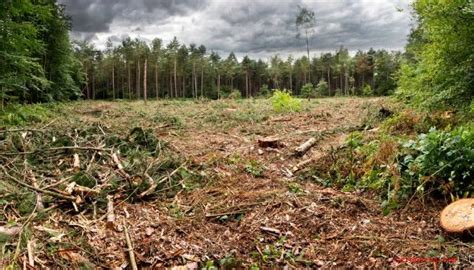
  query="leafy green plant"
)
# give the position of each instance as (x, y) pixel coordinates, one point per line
(25, 114)
(295, 188)
(282, 101)
(171, 120)
(234, 94)
(255, 168)
(322, 88)
(264, 91)
(367, 91)
(441, 161)
(308, 91)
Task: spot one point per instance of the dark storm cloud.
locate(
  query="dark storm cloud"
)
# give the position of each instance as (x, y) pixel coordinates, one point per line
(259, 27)
(255, 27)
(97, 15)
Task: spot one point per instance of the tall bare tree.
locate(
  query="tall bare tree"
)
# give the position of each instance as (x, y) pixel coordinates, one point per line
(305, 23)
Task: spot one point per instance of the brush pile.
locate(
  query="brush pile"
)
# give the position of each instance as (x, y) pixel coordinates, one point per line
(81, 171)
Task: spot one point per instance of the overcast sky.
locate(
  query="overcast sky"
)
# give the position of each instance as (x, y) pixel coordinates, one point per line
(258, 28)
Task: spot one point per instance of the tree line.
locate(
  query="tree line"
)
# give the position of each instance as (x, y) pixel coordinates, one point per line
(135, 69)
(38, 63)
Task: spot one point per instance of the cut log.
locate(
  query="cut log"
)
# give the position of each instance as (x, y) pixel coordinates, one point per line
(302, 164)
(458, 217)
(271, 142)
(303, 148)
(110, 212)
(77, 162)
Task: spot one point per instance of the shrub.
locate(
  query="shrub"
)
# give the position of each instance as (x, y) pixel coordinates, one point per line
(25, 114)
(322, 88)
(282, 101)
(440, 161)
(308, 91)
(234, 94)
(405, 122)
(264, 91)
(367, 91)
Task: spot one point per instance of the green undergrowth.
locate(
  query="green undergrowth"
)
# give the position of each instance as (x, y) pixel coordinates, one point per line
(22, 115)
(282, 101)
(412, 154)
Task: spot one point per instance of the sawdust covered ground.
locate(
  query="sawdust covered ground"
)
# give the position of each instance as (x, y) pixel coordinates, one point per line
(249, 207)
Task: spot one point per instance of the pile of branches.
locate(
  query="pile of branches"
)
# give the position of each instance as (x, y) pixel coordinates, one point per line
(83, 171)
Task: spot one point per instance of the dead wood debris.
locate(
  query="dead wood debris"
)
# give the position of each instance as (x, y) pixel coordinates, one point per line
(204, 211)
(303, 148)
(47, 165)
(131, 252)
(270, 142)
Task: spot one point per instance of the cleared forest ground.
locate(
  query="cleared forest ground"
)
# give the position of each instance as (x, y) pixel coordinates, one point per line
(223, 200)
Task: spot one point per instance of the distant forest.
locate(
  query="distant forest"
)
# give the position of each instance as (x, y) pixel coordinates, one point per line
(176, 70)
(41, 64)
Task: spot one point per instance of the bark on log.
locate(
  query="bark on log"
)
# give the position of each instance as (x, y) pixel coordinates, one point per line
(110, 212)
(303, 148)
(272, 142)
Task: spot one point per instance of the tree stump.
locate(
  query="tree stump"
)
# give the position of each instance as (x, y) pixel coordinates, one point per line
(458, 217)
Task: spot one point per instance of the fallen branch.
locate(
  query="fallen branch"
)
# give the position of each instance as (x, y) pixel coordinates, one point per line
(119, 165)
(85, 148)
(303, 148)
(30, 247)
(131, 254)
(227, 213)
(73, 187)
(154, 185)
(39, 197)
(270, 230)
(51, 193)
(302, 164)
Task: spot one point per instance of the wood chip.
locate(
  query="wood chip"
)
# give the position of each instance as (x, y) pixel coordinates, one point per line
(270, 230)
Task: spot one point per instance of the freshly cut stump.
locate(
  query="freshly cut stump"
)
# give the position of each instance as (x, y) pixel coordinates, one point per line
(458, 216)
(270, 142)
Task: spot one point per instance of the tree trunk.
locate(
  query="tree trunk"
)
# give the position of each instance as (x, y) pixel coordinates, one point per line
(309, 60)
(194, 81)
(246, 84)
(88, 94)
(156, 81)
(202, 82)
(218, 85)
(138, 80)
(329, 81)
(170, 89)
(184, 86)
(346, 82)
(129, 82)
(175, 79)
(93, 84)
(340, 81)
(113, 81)
(144, 80)
(291, 81)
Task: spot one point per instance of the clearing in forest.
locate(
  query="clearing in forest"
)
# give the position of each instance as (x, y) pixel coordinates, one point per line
(208, 183)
